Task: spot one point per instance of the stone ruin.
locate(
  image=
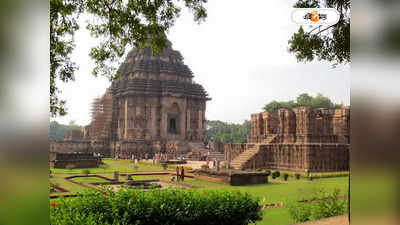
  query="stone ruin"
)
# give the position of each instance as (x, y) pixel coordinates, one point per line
(75, 159)
(301, 139)
(153, 107)
(232, 177)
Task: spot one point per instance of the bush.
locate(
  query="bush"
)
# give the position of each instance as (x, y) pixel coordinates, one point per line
(285, 176)
(299, 212)
(297, 176)
(276, 174)
(328, 205)
(205, 166)
(86, 172)
(171, 206)
(164, 166)
(324, 206)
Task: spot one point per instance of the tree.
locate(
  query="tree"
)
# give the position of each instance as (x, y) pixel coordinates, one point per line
(117, 24)
(329, 43)
(57, 131)
(223, 132)
(304, 99)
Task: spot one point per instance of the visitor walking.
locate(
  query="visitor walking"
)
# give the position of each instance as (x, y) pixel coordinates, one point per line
(182, 174)
(177, 174)
(207, 161)
(214, 163)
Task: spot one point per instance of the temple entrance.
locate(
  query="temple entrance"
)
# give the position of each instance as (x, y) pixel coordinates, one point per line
(172, 126)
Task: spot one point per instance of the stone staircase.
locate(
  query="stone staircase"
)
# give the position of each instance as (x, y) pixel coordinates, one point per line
(216, 155)
(198, 151)
(245, 156)
(248, 154)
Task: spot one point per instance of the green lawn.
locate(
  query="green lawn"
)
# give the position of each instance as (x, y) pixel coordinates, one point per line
(278, 216)
(281, 191)
(89, 179)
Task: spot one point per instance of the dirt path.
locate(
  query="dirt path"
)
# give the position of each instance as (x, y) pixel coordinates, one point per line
(336, 220)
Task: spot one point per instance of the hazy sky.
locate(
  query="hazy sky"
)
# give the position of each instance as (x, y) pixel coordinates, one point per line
(239, 54)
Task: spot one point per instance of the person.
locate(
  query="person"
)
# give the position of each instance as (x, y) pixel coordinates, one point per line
(182, 174)
(214, 163)
(207, 160)
(177, 174)
(265, 136)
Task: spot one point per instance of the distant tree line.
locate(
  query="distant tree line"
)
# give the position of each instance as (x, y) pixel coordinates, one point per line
(319, 101)
(219, 131)
(57, 130)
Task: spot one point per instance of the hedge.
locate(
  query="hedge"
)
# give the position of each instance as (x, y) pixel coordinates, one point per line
(320, 175)
(171, 206)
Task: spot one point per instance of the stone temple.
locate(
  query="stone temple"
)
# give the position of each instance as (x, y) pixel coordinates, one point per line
(301, 139)
(153, 107)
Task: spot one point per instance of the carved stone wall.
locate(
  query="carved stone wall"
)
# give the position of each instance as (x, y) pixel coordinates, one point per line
(296, 157)
(306, 138)
(302, 125)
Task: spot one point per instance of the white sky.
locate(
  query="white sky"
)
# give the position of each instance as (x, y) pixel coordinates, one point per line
(239, 54)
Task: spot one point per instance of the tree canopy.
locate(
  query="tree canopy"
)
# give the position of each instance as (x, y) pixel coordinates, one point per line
(328, 43)
(223, 132)
(116, 24)
(319, 101)
(57, 130)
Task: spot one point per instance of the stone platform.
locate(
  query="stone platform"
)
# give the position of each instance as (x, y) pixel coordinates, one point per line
(232, 177)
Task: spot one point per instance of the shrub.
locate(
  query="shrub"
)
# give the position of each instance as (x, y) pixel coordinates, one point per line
(299, 212)
(328, 205)
(164, 166)
(205, 166)
(70, 166)
(324, 206)
(135, 167)
(285, 176)
(297, 176)
(276, 174)
(155, 206)
(86, 172)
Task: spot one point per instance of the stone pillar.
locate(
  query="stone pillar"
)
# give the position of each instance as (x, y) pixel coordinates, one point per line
(126, 119)
(200, 129)
(153, 120)
(164, 121)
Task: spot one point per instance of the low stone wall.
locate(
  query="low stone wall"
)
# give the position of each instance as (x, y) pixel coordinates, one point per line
(78, 159)
(69, 146)
(232, 177)
(299, 157)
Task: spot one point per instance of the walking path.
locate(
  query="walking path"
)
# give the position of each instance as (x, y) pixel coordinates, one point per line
(335, 220)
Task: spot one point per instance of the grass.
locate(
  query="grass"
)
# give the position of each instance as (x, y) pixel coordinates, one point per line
(278, 191)
(89, 179)
(277, 216)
